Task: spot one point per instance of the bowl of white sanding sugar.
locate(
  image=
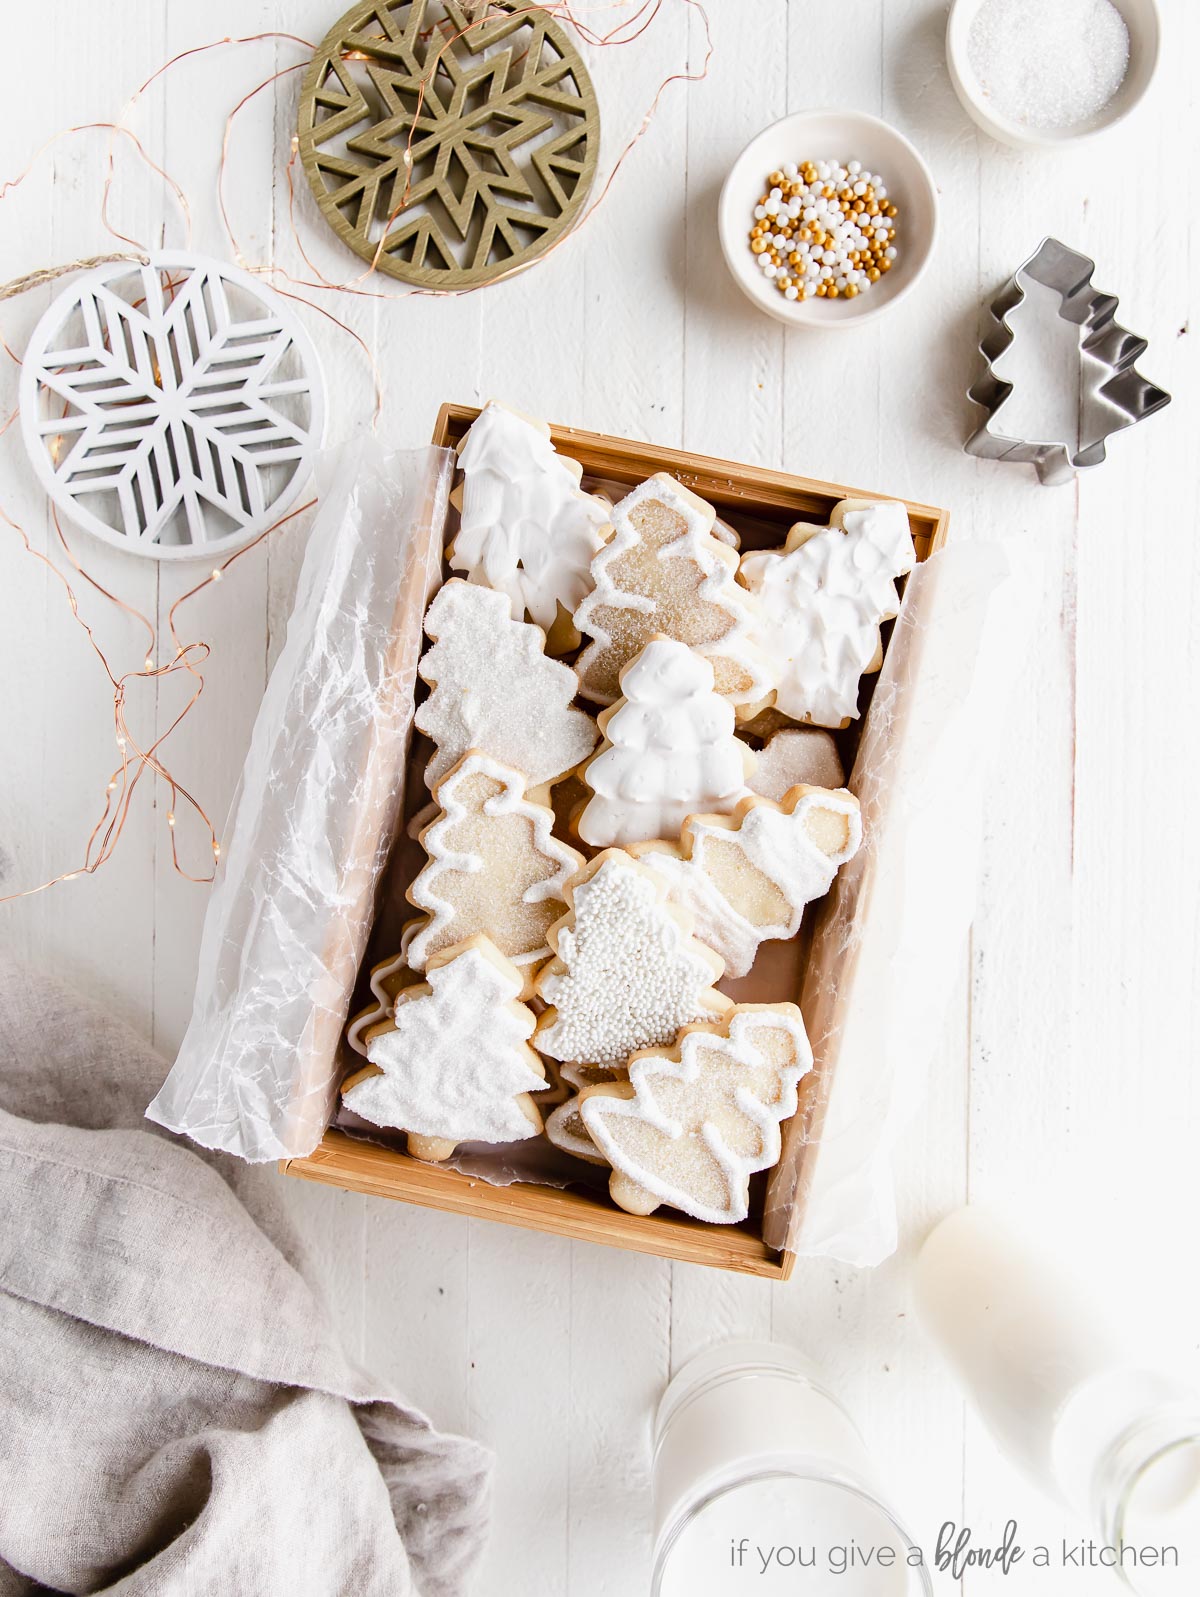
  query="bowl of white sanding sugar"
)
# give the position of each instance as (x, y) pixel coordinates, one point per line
(1041, 73)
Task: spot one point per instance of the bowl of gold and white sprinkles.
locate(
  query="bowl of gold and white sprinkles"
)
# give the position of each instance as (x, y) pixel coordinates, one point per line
(827, 218)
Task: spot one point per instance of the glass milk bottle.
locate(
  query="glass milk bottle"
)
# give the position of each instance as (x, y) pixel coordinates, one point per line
(762, 1483)
(1116, 1444)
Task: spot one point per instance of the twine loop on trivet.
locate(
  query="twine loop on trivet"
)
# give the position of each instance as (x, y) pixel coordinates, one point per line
(48, 274)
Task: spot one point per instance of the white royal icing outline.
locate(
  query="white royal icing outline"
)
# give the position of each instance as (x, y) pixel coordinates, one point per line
(735, 1042)
(774, 841)
(718, 587)
(511, 800)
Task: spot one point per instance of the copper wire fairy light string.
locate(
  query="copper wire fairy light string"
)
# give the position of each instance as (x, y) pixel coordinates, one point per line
(189, 656)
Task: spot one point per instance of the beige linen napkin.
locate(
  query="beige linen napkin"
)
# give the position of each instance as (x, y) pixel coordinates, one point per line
(176, 1415)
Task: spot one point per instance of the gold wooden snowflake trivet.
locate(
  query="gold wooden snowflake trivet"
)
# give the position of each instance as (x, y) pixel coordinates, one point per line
(448, 143)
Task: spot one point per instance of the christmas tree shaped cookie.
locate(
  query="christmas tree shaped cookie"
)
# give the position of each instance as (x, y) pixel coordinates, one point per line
(746, 877)
(526, 529)
(664, 573)
(821, 599)
(696, 1120)
(493, 866)
(626, 971)
(454, 1063)
(495, 690)
(670, 750)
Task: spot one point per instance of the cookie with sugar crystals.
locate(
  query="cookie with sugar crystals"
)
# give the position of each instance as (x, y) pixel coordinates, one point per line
(626, 970)
(696, 1120)
(820, 602)
(454, 1064)
(494, 867)
(526, 528)
(795, 755)
(494, 689)
(664, 573)
(745, 878)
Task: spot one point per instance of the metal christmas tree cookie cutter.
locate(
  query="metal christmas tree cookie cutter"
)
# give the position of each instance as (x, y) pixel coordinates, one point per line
(1112, 392)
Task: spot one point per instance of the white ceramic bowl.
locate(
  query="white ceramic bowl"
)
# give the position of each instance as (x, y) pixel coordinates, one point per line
(1142, 20)
(818, 136)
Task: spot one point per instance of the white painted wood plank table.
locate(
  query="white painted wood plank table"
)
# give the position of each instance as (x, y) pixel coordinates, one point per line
(1062, 1083)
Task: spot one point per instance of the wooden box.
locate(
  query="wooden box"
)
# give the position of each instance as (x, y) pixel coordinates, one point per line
(761, 505)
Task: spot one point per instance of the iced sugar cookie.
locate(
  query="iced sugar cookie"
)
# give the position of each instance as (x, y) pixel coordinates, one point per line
(663, 572)
(669, 750)
(454, 1063)
(626, 970)
(821, 599)
(696, 1120)
(800, 754)
(564, 1125)
(746, 877)
(526, 529)
(495, 690)
(493, 867)
(389, 978)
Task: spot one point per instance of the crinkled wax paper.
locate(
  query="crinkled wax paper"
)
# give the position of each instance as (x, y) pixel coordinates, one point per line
(888, 941)
(314, 814)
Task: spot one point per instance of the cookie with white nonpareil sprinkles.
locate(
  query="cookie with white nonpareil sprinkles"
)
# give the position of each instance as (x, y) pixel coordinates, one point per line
(626, 971)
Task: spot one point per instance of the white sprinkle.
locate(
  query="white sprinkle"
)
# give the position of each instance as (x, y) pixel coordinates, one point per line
(1048, 65)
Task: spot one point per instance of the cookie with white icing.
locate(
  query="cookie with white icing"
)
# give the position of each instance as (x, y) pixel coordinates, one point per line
(696, 1120)
(454, 1064)
(526, 528)
(494, 867)
(564, 1124)
(494, 689)
(626, 971)
(820, 602)
(669, 750)
(745, 878)
(389, 978)
(795, 755)
(663, 573)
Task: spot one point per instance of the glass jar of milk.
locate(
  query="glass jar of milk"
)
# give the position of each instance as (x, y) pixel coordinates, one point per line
(1118, 1446)
(762, 1485)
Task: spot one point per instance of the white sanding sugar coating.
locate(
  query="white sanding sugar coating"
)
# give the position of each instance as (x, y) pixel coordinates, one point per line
(633, 976)
(495, 690)
(1048, 63)
(456, 1064)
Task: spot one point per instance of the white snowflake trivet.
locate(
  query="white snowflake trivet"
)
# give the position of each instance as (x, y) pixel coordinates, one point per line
(171, 409)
